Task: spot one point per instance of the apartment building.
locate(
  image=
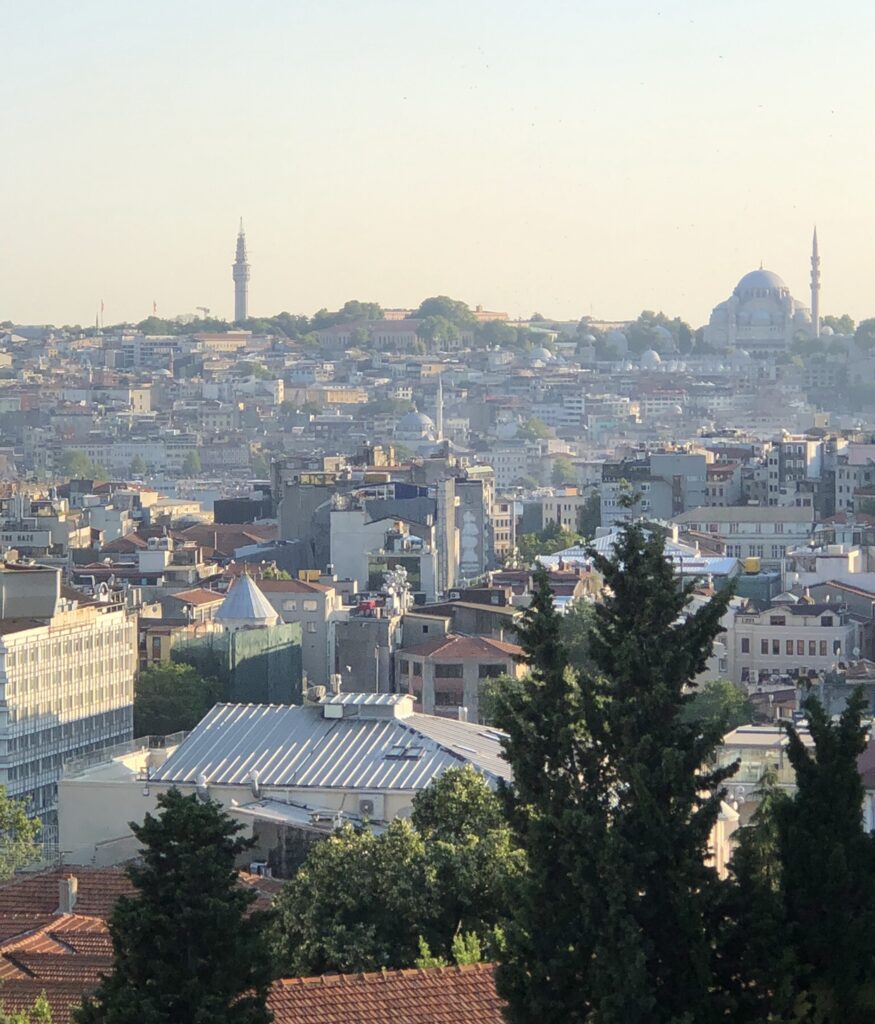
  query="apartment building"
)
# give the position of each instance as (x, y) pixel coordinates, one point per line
(753, 531)
(790, 638)
(67, 670)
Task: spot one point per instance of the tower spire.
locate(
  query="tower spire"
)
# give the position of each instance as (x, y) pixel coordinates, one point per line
(240, 273)
(439, 411)
(815, 284)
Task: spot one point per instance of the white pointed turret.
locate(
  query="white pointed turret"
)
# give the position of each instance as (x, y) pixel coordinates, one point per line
(439, 411)
(246, 607)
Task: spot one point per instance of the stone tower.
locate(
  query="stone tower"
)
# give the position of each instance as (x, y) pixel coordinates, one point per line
(815, 285)
(241, 278)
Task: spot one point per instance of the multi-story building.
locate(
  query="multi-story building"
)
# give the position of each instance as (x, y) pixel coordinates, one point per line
(753, 531)
(446, 673)
(790, 638)
(67, 670)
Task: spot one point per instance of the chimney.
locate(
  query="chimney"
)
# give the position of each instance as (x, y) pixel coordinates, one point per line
(68, 887)
(462, 713)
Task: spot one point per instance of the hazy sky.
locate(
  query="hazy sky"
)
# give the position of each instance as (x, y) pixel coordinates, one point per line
(590, 156)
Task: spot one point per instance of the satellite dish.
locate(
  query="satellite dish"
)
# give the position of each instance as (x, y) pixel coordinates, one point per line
(202, 786)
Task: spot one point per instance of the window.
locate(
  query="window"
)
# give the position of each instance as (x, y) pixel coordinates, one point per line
(776, 647)
(745, 645)
(826, 620)
(788, 648)
(823, 648)
(778, 620)
(290, 606)
(490, 671)
(417, 668)
(800, 647)
(764, 646)
(448, 671)
(310, 606)
(812, 648)
(311, 627)
(448, 698)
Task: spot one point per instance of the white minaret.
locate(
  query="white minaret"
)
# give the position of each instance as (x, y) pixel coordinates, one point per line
(240, 271)
(815, 285)
(439, 411)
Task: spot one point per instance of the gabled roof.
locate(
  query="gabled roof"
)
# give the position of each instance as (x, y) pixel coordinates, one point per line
(463, 647)
(437, 995)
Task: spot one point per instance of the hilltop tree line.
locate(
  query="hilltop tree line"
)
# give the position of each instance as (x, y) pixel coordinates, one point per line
(588, 879)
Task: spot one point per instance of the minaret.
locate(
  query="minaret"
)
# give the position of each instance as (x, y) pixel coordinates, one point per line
(439, 411)
(241, 278)
(815, 285)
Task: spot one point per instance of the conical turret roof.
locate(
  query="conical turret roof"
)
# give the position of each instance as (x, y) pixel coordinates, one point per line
(245, 604)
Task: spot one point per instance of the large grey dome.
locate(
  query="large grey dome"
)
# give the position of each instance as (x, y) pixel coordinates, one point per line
(760, 282)
(415, 424)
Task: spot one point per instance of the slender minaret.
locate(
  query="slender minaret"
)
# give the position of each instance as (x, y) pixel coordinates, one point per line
(815, 285)
(241, 278)
(439, 411)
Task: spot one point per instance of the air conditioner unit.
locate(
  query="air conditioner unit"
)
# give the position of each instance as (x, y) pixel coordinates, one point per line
(372, 807)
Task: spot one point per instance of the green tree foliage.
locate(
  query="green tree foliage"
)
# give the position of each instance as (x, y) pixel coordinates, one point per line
(864, 335)
(563, 472)
(75, 465)
(138, 466)
(453, 310)
(840, 324)
(437, 331)
(644, 333)
(169, 697)
(548, 541)
(363, 902)
(248, 368)
(611, 796)
(18, 836)
(191, 464)
(533, 430)
(271, 572)
(347, 314)
(260, 466)
(187, 946)
(589, 516)
(828, 871)
(575, 628)
(720, 703)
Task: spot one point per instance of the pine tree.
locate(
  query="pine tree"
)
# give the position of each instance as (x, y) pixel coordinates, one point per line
(615, 808)
(186, 946)
(828, 871)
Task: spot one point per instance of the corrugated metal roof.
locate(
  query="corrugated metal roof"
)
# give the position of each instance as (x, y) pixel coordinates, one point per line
(292, 746)
(367, 699)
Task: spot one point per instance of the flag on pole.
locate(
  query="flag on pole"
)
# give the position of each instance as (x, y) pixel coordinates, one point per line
(101, 307)
(154, 307)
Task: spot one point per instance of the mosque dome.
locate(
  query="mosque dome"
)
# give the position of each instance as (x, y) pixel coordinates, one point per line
(415, 424)
(650, 359)
(590, 339)
(544, 354)
(827, 331)
(760, 318)
(760, 283)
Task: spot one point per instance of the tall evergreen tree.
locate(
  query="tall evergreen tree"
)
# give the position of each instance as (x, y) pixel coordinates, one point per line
(614, 807)
(828, 871)
(187, 947)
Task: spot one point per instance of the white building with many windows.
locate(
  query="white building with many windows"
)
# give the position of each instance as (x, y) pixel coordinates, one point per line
(66, 683)
(753, 531)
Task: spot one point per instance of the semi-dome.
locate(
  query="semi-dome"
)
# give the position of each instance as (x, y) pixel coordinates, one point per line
(827, 331)
(544, 354)
(650, 359)
(759, 282)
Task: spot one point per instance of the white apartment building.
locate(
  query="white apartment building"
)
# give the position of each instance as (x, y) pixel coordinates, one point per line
(753, 531)
(66, 684)
(789, 639)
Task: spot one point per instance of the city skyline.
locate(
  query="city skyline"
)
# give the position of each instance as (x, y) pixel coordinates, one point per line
(571, 161)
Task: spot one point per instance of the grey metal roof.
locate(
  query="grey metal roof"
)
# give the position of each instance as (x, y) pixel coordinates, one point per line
(292, 746)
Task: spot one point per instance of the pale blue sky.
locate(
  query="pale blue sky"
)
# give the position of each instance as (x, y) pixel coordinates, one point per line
(569, 157)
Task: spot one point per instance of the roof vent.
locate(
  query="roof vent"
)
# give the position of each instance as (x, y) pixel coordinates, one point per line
(68, 889)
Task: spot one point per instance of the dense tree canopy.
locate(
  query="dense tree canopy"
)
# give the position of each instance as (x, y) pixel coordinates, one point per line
(610, 795)
(453, 310)
(169, 697)
(187, 946)
(365, 902)
(18, 836)
(721, 703)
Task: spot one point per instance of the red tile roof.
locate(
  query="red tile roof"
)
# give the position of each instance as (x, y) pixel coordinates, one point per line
(455, 646)
(38, 894)
(291, 587)
(443, 995)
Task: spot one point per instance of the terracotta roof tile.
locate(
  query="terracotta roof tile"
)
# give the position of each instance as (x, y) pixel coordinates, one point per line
(455, 646)
(444, 995)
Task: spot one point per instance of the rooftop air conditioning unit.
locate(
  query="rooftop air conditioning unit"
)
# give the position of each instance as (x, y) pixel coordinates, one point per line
(372, 807)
